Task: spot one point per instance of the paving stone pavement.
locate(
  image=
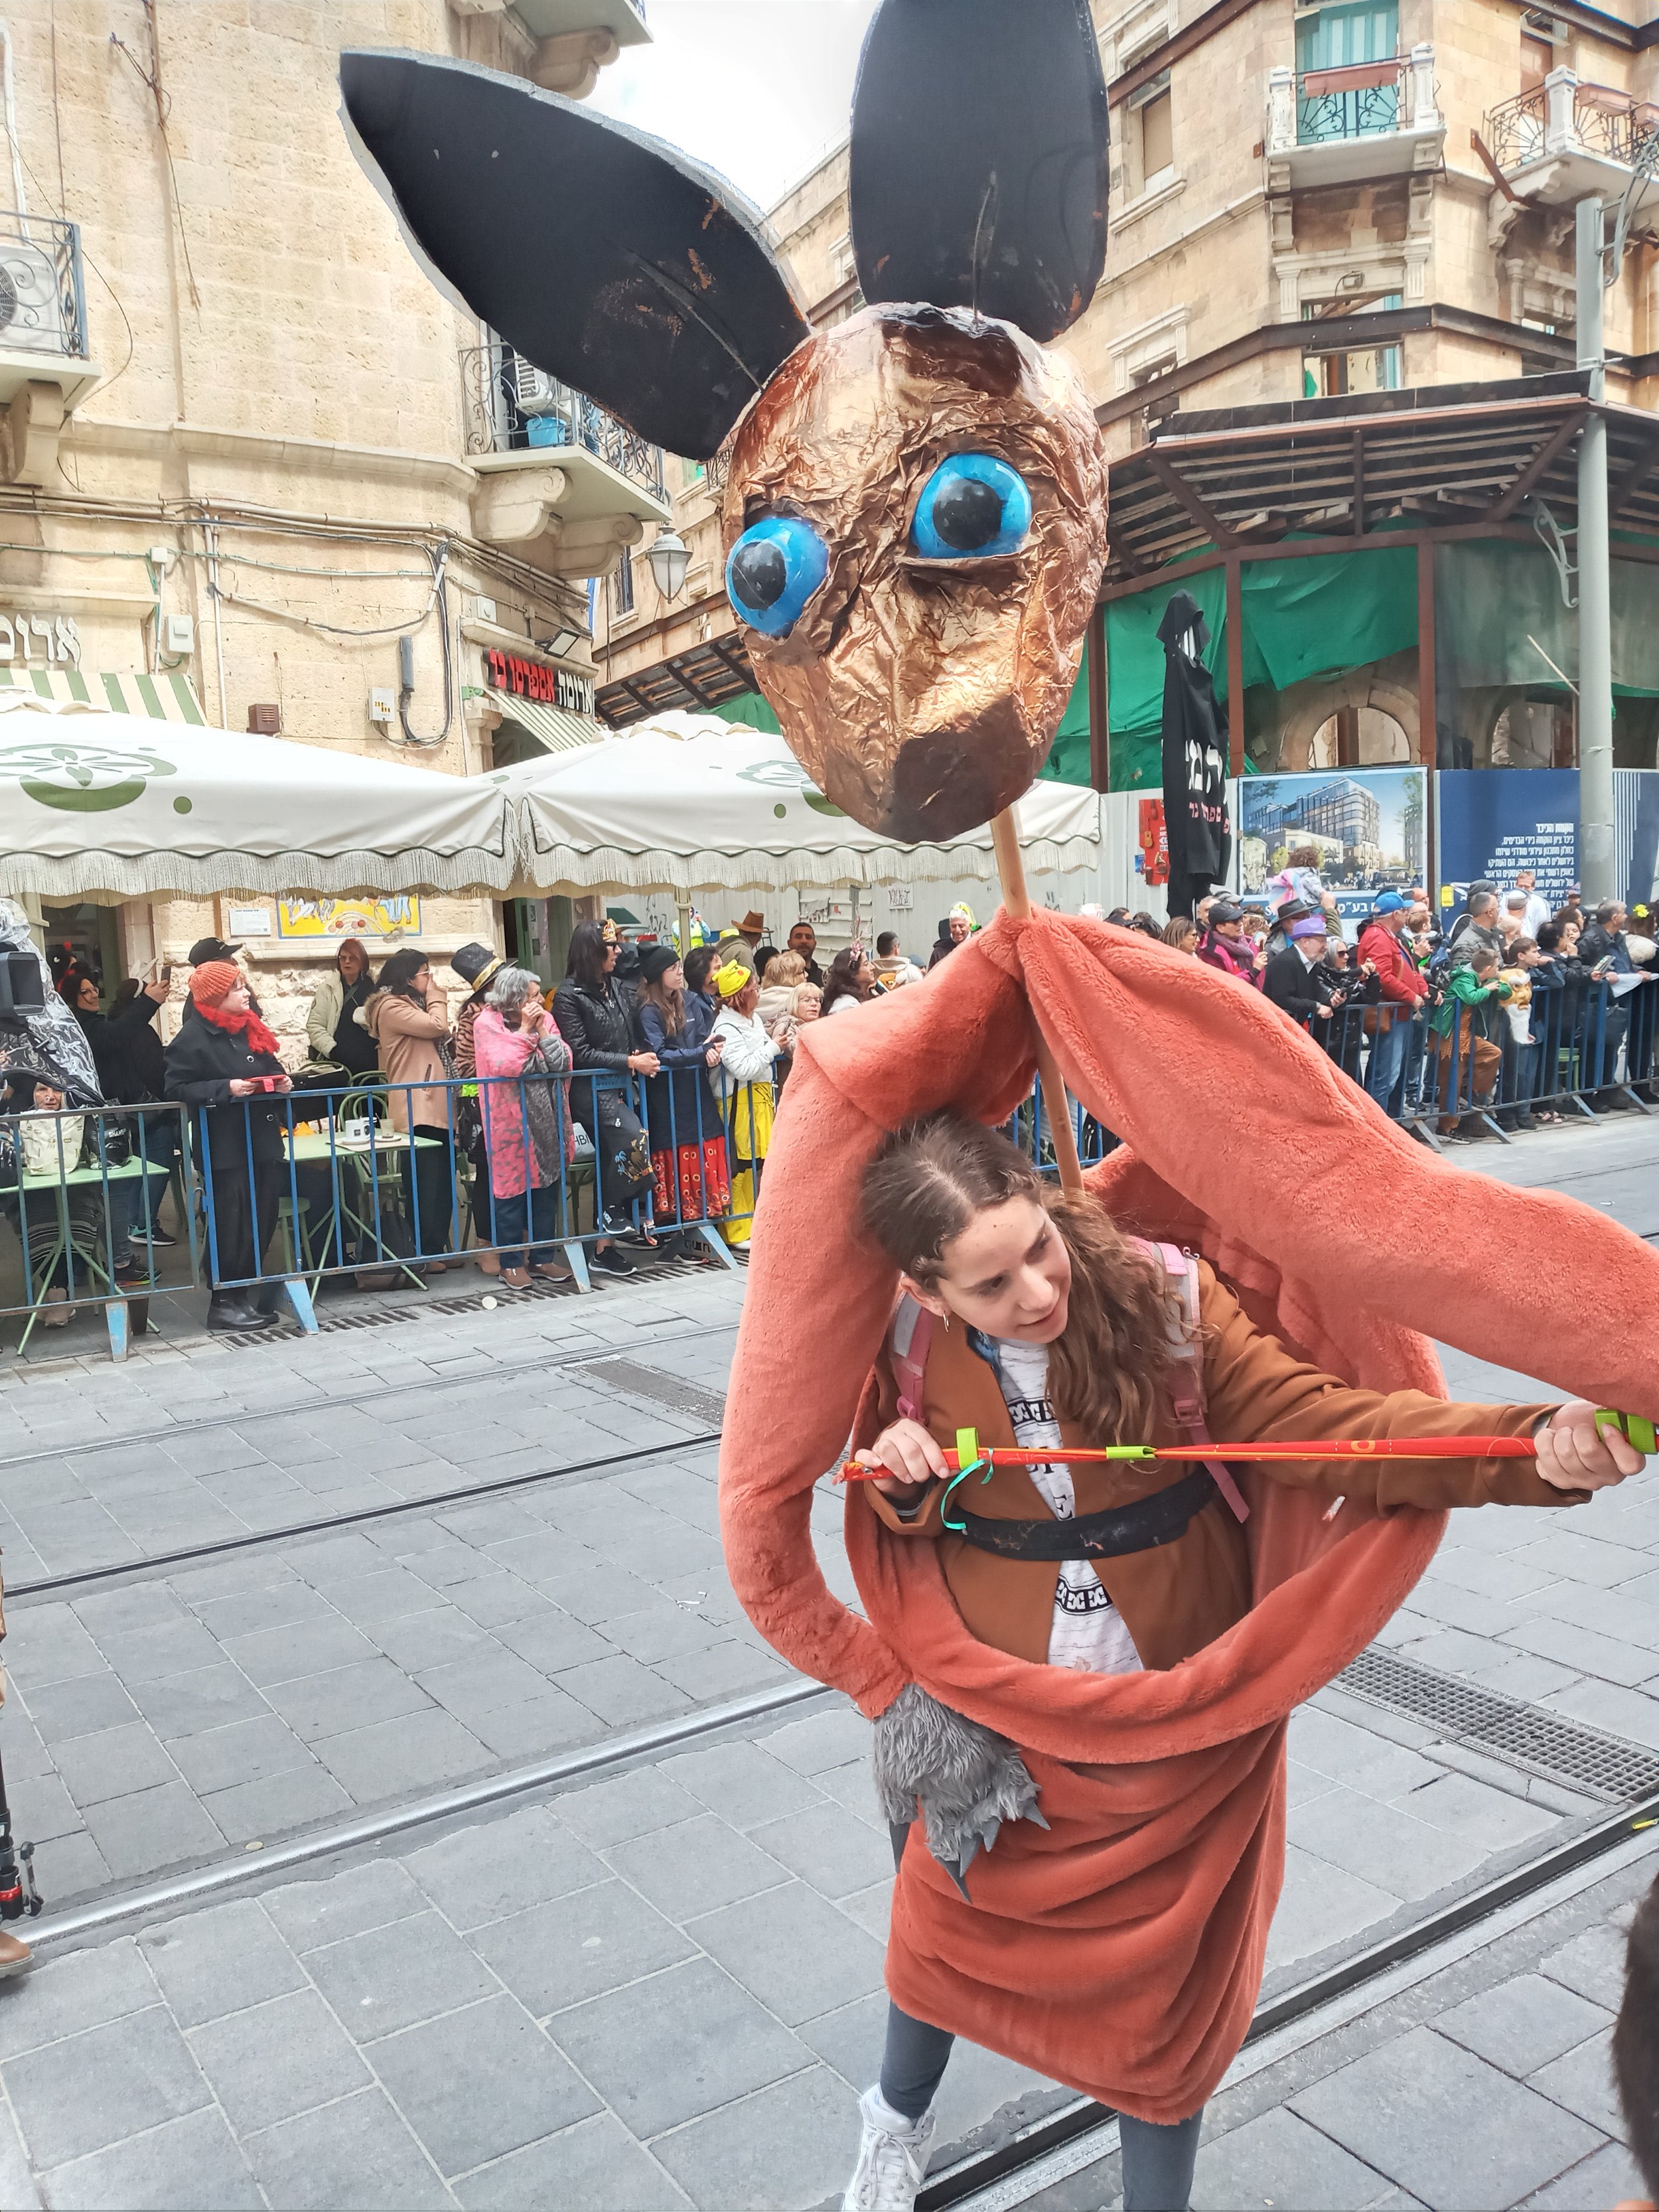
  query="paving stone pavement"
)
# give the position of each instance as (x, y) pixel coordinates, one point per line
(1485, 2086)
(663, 1988)
(660, 1990)
(101, 1463)
(158, 1725)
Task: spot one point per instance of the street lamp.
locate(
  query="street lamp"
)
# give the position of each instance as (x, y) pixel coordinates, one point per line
(669, 558)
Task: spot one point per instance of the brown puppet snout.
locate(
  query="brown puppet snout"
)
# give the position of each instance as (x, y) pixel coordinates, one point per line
(917, 503)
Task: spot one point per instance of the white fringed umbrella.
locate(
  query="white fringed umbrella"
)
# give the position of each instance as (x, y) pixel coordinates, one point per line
(95, 804)
(684, 800)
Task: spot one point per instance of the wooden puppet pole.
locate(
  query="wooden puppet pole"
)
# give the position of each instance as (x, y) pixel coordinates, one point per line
(1011, 868)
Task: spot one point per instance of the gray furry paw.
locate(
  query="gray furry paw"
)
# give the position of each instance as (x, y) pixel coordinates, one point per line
(964, 1778)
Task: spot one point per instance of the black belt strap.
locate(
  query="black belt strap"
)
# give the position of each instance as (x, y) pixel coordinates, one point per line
(1142, 1526)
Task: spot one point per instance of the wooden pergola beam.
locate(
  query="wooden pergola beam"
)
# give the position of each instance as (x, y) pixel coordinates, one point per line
(1556, 444)
(1183, 494)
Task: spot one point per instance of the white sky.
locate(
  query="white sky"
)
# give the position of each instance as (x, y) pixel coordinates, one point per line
(758, 89)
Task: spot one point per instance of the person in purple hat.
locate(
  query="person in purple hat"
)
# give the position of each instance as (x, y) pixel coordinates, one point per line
(1288, 978)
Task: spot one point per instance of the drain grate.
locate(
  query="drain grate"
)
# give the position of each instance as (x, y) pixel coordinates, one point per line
(1521, 1734)
(385, 1316)
(661, 1389)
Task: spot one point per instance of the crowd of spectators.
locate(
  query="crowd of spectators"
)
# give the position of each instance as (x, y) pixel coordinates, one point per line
(654, 1077)
(1487, 1023)
(657, 1078)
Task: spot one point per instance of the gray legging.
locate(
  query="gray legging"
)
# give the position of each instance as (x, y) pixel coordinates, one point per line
(1157, 2161)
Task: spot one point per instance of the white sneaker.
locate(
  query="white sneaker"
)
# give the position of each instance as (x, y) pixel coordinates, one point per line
(892, 2158)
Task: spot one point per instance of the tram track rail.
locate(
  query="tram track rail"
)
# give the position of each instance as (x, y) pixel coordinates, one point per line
(1055, 2149)
(321, 1408)
(44, 1588)
(1050, 2150)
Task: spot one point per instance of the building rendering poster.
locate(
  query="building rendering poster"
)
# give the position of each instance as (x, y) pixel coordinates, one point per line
(1366, 825)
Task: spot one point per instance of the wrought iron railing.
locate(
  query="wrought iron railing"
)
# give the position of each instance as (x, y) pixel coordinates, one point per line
(508, 406)
(43, 308)
(1592, 119)
(1356, 100)
(1515, 129)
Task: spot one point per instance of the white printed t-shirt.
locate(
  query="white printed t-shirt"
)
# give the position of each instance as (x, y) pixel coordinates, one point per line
(1088, 1631)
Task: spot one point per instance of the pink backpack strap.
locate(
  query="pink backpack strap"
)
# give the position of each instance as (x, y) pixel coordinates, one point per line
(912, 1335)
(1187, 1398)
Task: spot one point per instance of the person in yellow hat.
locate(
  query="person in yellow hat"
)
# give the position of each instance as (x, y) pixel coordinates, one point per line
(743, 1083)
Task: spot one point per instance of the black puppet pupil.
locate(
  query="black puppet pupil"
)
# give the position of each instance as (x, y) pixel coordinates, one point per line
(760, 573)
(966, 512)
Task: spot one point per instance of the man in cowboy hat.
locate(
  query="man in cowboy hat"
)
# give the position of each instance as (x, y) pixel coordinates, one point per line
(752, 928)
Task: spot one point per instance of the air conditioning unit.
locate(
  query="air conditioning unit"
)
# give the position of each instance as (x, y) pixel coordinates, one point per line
(538, 392)
(31, 309)
(1543, 26)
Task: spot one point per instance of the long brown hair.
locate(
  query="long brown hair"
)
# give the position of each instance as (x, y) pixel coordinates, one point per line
(1108, 1368)
(671, 1004)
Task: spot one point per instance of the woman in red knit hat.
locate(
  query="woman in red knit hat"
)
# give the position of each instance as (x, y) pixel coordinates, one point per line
(222, 1066)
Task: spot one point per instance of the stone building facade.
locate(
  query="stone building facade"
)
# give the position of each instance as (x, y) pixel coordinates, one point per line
(1371, 195)
(246, 449)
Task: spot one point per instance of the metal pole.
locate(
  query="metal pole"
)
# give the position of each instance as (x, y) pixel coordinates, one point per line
(1595, 848)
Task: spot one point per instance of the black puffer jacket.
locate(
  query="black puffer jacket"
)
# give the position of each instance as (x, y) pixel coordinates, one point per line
(595, 1025)
(202, 1062)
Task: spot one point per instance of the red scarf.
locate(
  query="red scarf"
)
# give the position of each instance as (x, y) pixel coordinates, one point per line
(259, 1038)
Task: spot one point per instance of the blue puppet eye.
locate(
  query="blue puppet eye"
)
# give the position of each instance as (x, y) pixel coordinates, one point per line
(774, 569)
(972, 507)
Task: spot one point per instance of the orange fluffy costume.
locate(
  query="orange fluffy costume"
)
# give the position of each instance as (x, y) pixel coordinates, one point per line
(1120, 1950)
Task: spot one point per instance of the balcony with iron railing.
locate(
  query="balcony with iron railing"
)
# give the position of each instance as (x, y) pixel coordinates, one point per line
(512, 407)
(564, 483)
(1355, 119)
(1563, 140)
(43, 308)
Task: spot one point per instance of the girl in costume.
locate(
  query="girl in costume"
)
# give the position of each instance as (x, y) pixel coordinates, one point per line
(742, 1077)
(1045, 1326)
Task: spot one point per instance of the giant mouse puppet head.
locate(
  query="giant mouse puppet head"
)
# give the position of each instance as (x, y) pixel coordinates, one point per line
(915, 509)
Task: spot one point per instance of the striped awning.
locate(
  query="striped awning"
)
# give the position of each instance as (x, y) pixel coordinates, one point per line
(165, 698)
(554, 729)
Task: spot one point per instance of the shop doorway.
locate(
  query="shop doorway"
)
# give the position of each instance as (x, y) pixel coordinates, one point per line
(85, 938)
(538, 935)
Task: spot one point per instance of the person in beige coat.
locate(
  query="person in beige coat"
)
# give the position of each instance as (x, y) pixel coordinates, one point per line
(408, 1018)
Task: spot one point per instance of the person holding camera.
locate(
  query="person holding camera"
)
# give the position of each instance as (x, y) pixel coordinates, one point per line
(223, 1065)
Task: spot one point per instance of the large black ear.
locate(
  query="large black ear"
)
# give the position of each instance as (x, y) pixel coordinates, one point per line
(979, 160)
(604, 256)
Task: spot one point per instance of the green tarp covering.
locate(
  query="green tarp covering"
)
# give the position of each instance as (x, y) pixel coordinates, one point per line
(749, 707)
(1068, 758)
(1302, 618)
(1497, 605)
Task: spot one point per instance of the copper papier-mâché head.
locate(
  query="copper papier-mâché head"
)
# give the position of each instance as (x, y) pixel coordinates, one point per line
(915, 509)
(921, 684)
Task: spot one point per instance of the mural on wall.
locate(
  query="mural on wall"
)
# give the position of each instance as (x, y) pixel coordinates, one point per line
(398, 915)
(1495, 822)
(1365, 825)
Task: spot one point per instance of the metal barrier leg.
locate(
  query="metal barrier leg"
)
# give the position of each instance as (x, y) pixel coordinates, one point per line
(577, 1256)
(299, 1297)
(716, 1244)
(115, 1320)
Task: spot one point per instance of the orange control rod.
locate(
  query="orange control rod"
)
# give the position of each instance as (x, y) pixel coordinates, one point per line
(1638, 1432)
